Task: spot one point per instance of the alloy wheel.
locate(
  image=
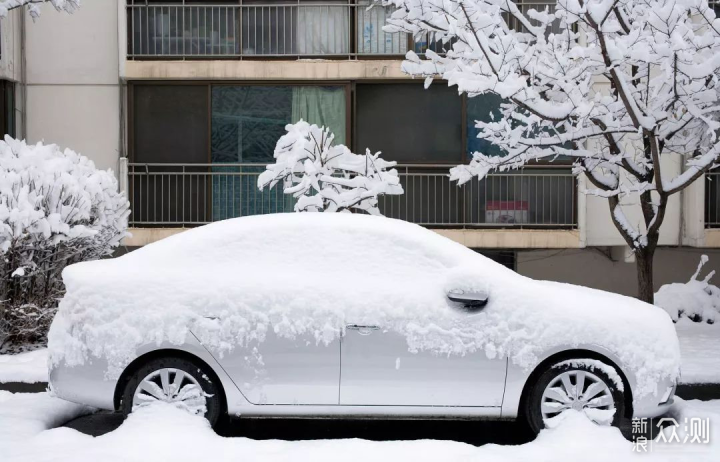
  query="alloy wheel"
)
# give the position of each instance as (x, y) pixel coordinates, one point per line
(173, 386)
(581, 391)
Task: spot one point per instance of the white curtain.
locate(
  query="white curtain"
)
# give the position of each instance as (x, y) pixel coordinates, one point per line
(323, 30)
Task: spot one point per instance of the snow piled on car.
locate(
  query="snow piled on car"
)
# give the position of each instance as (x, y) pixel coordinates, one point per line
(231, 282)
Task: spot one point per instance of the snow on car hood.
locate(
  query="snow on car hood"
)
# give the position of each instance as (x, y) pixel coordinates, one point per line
(312, 274)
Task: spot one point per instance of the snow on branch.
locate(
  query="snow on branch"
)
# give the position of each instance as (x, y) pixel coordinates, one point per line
(326, 177)
(69, 6)
(614, 86)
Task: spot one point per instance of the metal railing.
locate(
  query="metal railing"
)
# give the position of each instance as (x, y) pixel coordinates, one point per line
(263, 30)
(184, 195)
(712, 199)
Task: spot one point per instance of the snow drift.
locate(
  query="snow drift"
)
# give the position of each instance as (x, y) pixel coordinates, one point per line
(305, 274)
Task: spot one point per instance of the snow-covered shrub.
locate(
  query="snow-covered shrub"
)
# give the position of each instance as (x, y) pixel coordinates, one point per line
(56, 208)
(325, 177)
(697, 299)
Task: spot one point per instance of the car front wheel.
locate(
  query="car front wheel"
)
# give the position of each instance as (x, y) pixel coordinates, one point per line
(176, 381)
(582, 385)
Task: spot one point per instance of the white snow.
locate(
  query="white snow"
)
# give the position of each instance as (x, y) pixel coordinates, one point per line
(700, 349)
(24, 415)
(696, 299)
(29, 367)
(163, 432)
(328, 177)
(312, 274)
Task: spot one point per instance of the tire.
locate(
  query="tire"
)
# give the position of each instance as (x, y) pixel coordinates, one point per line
(189, 373)
(553, 378)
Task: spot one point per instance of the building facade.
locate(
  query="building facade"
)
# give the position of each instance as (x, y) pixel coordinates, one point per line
(185, 101)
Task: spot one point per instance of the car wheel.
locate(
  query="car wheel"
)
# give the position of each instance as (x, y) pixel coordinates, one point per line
(578, 385)
(177, 381)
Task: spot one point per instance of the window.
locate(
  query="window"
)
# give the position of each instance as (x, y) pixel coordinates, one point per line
(408, 123)
(371, 39)
(169, 125)
(484, 108)
(7, 115)
(247, 122)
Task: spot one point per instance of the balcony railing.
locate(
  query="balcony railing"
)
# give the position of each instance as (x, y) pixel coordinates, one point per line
(184, 195)
(328, 29)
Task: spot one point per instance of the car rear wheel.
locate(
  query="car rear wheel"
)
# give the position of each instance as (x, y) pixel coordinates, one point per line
(176, 381)
(581, 385)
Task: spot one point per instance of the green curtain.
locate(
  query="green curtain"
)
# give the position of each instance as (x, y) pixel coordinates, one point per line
(322, 106)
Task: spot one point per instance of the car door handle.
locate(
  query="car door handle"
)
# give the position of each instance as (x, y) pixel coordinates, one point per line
(362, 330)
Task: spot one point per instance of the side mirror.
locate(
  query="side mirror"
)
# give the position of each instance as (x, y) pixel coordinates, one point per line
(471, 300)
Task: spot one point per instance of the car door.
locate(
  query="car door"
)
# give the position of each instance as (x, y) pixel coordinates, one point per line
(280, 370)
(379, 370)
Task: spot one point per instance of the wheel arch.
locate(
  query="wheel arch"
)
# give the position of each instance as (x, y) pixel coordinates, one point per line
(164, 353)
(577, 353)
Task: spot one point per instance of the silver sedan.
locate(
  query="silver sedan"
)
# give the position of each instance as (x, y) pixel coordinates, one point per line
(367, 370)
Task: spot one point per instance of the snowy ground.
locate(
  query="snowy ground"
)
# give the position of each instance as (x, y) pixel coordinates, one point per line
(28, 367)
(700, 349)
(162, 432)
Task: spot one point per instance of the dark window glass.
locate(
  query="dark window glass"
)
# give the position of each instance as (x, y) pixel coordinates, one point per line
(170, 123)
(409, 123)
(247, 122)
(484, 108)
(7, 116)
(170, 126)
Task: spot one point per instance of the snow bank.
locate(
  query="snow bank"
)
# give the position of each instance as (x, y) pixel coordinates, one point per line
(700, 348)
(23, 415)
(164, 431)
(30, 367)
(311, 274)
(696, 299)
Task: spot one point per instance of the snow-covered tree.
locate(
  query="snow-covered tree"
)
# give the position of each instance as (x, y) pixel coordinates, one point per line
(615, 85)
(326, 177)
(56, 208)
(68, 6)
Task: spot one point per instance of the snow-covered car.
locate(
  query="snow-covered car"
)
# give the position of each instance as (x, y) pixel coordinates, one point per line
(346, 315)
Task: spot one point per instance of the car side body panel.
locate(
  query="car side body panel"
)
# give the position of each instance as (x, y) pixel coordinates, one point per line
(88, 384)
(648, 406)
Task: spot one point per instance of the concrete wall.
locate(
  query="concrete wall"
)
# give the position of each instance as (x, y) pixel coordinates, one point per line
(73, 90)
(10, 50)
(593, 268)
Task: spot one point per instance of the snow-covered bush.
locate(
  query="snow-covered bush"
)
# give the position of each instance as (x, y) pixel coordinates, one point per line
(325, 177)
(697, 299)
(56, 208)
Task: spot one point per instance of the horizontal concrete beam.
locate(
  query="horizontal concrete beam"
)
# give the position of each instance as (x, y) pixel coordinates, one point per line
(302, 69)
(514, 238)
(474, 238)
